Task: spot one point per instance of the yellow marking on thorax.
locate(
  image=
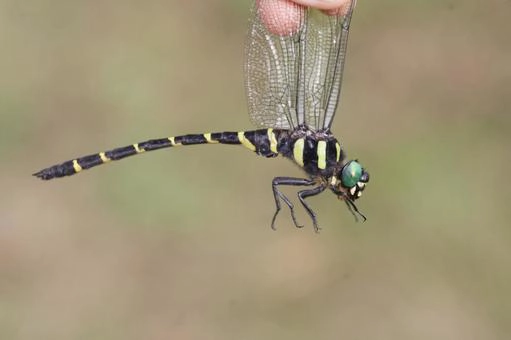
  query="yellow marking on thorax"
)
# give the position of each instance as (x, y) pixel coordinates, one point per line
(245, 142)
(104, 158)
(273, 141)
(333, 181)
(137, 148)
(208, 138)
(338, 148)
(321, 151)
(172, 141)
(298, 151)
(76, 166)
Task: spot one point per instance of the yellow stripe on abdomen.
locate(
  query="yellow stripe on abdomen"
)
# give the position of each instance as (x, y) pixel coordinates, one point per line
(245, 142)
(137, 148)
(76, 166)
(172, 141)
(298, 151)
(104, 158)
(209, 140)
(321, 151)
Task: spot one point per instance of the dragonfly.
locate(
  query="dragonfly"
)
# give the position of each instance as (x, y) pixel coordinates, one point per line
(293, 81)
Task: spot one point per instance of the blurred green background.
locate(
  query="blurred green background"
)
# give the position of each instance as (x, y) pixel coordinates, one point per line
(176, 244)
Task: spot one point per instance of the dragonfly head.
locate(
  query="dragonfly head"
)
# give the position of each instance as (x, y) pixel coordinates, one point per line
(348, 184)
(350, 181)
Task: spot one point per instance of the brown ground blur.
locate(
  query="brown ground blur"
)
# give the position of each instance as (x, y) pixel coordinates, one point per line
(176, 244)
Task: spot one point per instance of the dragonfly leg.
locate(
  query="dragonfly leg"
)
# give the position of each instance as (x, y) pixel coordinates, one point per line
(354, 210)
(302, 195)
(278, 195)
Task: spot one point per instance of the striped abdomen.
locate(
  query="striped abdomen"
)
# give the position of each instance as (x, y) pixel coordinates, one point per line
(264, 142)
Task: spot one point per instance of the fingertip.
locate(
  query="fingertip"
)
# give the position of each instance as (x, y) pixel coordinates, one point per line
(330, 7)
(284, 17)
(280, 17)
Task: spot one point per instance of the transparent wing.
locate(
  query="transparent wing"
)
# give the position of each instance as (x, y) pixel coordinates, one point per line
(326, 42)
(294, 77)
(271, 68)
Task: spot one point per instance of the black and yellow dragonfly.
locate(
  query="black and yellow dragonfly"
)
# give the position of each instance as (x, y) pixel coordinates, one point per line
(293, 83)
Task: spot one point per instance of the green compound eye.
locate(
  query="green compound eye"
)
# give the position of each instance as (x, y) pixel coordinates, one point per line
(351, 174)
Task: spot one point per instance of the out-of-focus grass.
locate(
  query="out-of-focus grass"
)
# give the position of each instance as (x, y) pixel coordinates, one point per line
(176, 244)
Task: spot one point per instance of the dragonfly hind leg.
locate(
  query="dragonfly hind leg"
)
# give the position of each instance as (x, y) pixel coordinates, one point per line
(278, 195)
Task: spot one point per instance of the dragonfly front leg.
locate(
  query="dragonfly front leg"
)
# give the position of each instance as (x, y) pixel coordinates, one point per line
(278, 195)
